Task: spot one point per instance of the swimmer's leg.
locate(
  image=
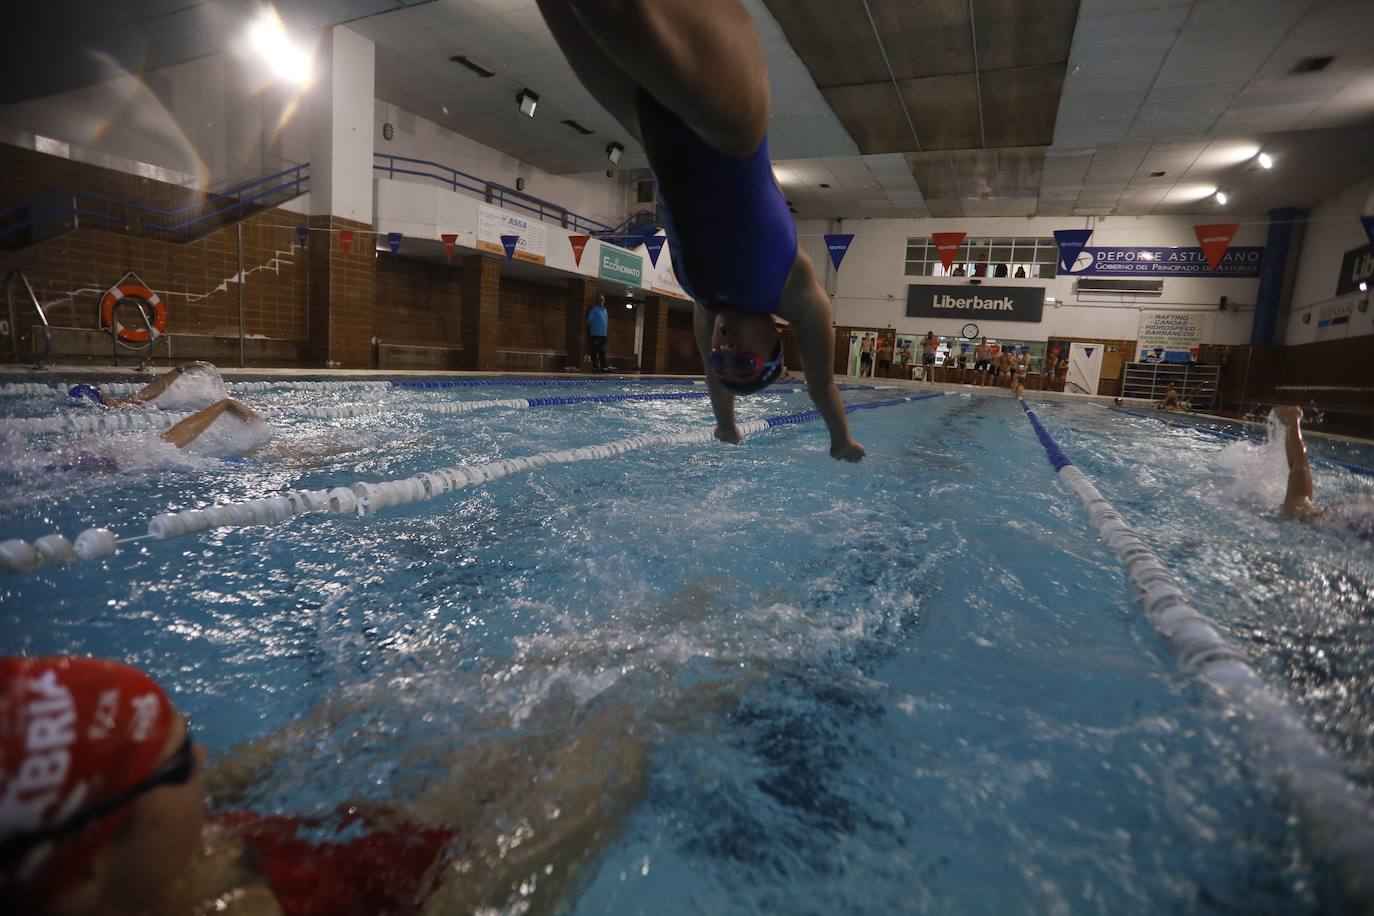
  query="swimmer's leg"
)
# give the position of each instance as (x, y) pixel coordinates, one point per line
(701, 60)
(186, 432)
(1297, 501)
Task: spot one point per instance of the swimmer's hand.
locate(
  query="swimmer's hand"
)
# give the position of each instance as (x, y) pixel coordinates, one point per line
(728, 434)
(849, 450)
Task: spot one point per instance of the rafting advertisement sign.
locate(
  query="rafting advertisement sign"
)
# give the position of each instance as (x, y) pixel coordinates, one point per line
(493, 224)
(1170, 337)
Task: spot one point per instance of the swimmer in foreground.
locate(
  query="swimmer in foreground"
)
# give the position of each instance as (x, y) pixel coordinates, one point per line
(104, 794)
(689, 82)
(190, 429)
(148, 393)
(1351, 516)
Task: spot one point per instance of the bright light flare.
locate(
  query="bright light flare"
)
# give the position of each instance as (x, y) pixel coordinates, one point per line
(1222, 198)
(1266, 161)
(268, 39)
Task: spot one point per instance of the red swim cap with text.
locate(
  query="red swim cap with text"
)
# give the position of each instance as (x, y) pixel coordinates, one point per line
(73, 733)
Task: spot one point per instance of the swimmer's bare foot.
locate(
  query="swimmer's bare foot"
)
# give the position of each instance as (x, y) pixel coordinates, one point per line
(1289, 414)
(729, 434)
(850, 451)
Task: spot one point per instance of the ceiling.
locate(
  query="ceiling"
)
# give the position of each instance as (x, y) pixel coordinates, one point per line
(952, 108)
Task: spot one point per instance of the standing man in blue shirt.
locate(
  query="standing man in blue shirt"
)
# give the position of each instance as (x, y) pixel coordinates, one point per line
(689, 81)
(596, 329)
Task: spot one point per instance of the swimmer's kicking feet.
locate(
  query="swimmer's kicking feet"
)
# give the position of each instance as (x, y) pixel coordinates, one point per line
(189, 429)
(688, 81)
(148, 393)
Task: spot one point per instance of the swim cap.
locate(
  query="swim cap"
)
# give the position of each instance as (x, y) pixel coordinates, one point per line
(73, 732)
(87, 391)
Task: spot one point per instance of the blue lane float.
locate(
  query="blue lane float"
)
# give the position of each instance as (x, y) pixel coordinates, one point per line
(1337, 815)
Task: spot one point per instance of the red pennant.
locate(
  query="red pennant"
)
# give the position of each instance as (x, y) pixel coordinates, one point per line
(578, 242)
(450, 239)
(947, 245)
(346, 240)
(1215, 240)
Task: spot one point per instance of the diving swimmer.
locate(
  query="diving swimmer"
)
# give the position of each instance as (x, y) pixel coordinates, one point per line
(688, 81)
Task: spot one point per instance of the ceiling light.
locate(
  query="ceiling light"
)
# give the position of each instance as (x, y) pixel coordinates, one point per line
(1364, 286)
(1266, 161)
(614, 152)
(1221, 198)
(527, 100)
(629, 305)
(268, 39)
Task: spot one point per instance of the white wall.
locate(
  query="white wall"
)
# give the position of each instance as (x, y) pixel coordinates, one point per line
(592, 195)
(209, 123)
(1333, 228)
(870, 289)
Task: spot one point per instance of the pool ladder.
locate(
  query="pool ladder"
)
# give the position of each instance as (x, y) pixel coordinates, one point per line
(15, 281)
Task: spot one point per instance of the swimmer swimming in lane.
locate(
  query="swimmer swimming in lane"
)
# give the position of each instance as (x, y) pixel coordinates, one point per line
(688, 81)
(1356, 516)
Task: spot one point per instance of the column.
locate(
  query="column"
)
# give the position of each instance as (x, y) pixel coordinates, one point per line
(481, 286)
(339, 104)
(581, 293)
(654, 358)
(1277, 272)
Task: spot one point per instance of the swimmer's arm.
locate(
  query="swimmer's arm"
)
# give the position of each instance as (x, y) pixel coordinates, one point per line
(805, 305)
(186, 432)
(722, 399)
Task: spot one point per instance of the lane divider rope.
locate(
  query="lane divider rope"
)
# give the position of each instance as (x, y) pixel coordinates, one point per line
(1337, 814)
(366, 497)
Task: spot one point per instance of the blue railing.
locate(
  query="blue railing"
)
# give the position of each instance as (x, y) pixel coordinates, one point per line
(110, 214)
(492, 192)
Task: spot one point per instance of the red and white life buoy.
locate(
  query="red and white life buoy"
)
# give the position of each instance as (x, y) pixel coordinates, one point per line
(132, 290)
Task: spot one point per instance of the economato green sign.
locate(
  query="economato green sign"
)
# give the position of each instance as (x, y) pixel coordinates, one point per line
(619, 265)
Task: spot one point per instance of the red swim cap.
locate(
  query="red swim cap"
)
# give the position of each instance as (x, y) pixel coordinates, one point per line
(73, 732)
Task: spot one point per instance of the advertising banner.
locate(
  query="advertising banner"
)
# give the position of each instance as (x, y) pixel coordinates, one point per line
(981, 303)
(1170, 337)
(947, 246)
(1085, 368)
(1333, 319)
(1356, 267)
(837, 245)
(493, 223)
(1164, 262)
(1070, 242)
(620, 266)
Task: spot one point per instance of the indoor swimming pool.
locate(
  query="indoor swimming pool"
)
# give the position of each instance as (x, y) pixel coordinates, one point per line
(699, 678)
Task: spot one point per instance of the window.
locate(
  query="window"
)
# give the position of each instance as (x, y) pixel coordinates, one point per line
(997, 258)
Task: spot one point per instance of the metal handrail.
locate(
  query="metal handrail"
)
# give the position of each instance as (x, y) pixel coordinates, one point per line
(491, 191)
(12, 279)
(295, 179)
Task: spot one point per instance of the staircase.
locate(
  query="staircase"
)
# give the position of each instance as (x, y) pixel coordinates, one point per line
(633, 231)
(61, 210)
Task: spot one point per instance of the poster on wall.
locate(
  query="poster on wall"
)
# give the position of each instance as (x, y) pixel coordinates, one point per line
(1171, 337)
(619, 266)
(665, 280)
(987, 303)
(1356, 267)
(1333, 319)
(493, 223)
(1085, 368)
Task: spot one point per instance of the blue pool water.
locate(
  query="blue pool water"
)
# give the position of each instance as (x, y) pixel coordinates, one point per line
(735, 680)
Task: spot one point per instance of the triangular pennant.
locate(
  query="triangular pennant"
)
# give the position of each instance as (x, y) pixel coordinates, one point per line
(509, 242)
(1368, 223)
(655, 244)
(394, 240)
(1088, 351)
(947, 246)
(346, 240)
(303, 234)
(1070, 242)
(1215, 240)
(450, 240)
(579, 243)
(837, 245)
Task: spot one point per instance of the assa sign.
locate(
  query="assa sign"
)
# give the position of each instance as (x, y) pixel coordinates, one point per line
(983, 303)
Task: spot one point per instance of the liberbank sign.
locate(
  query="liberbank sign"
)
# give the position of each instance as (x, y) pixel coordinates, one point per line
(980, 303)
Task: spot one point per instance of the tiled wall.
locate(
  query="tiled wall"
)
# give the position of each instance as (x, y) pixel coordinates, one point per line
(418, 302)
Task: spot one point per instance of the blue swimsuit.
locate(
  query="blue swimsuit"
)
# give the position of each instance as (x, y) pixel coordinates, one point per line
(729, 229)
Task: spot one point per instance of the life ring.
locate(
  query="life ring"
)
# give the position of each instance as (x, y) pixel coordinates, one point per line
(117, 294)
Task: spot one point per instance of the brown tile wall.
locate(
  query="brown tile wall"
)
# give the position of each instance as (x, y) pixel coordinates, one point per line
(195, 280)
(532, 317)
(418, 302)
(481, 292)
(682, 357)
(341, 293)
